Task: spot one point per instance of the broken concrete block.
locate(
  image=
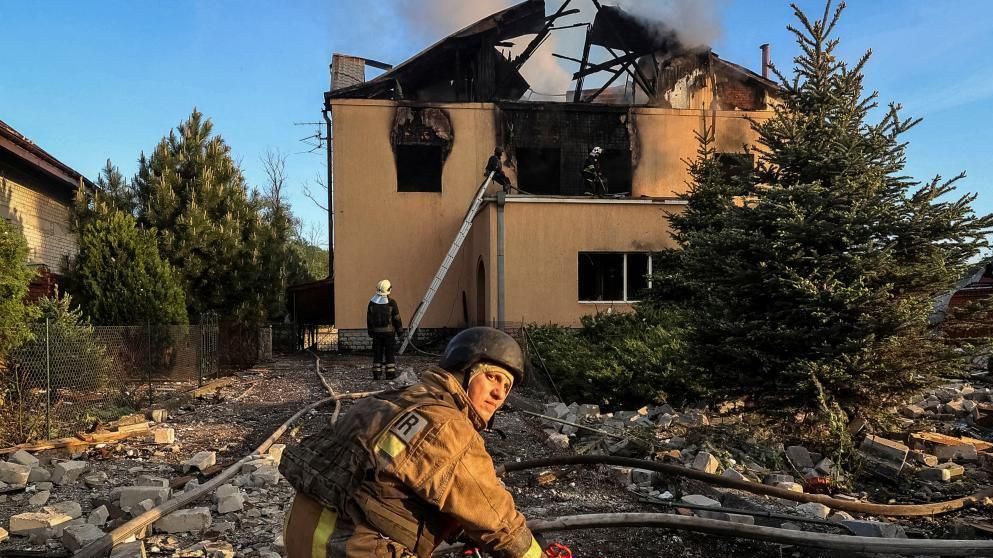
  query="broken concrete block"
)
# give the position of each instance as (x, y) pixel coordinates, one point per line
(135, 549)
(39, 474)
(159, 415)
(825, 466)
(231, 503)
(150, 480)
(800, 457)
(98, 516)
(956, 408)
(961, 452)
(986, 461)
(165, 436)
(700, 500)
(225, 491)
(22, 457)
(791, 486)
(39, 499)
(875, 529)
(200, 461)
(70, 508)
(276, 452)
(556, 410)
(142, 507)
(921, 458)
(942, 473)
(813, 509)
(26, 523)
(78, 536)
(886, 449)
(839, 516)
(773, 479)
(266, 476)
(557, 441)
(912, 411)
(706, 462)
(14, 473)
(131, 495)
(3, 534)
(66, 472)
(734, 475)
(256, 464)
(184, 521)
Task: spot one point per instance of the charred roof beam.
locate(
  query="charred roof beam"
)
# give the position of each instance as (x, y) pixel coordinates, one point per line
(540, 37)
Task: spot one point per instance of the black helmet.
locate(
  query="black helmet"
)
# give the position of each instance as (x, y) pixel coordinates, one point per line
(484, 344)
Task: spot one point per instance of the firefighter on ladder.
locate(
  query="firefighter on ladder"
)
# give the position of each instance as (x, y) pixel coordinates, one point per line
(407, 469)
(384, 326)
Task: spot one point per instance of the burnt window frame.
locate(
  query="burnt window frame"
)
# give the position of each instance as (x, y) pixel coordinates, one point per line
(625, 281)
(441, 168)
(523, 177)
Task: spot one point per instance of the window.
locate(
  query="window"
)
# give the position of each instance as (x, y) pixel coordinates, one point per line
(613, 276)
(616, 167)
(539, 169)
(419, 167)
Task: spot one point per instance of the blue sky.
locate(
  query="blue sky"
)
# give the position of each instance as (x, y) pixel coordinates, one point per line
(94, 80)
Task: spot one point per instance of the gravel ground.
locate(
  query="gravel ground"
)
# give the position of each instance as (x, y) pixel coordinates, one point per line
(236, 419)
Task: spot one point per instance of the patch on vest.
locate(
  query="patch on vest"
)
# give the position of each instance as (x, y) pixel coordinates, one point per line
(408, 426)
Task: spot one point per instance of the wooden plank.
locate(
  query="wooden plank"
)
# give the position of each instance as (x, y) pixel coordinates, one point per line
(943, 440)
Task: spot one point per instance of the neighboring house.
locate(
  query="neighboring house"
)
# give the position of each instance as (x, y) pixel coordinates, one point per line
(410, 145)
(36, 195)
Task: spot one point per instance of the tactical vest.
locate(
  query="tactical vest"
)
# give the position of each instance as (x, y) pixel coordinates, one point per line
(337, 468)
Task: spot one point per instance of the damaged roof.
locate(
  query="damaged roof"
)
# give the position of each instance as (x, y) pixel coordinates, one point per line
(467, 61)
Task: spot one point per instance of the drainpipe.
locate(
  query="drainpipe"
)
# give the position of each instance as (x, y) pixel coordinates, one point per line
(327, 119)
(765, 60)
(501, 293)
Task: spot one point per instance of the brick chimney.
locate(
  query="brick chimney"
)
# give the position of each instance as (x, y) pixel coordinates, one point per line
(346, 71)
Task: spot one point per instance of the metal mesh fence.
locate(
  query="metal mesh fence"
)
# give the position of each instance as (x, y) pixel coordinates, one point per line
(65, 377)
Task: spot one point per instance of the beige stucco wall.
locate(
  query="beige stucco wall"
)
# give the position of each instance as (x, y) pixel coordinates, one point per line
(42, 217)
(543, 242)
(666, 139)
(381, 233)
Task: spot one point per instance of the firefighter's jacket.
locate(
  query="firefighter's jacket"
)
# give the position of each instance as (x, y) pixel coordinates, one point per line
(408, 465)
(383, 318)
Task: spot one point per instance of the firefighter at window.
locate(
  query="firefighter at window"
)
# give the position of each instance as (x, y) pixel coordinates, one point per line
(384, 326)
(593, 175)
(495, 165)
(407, 469)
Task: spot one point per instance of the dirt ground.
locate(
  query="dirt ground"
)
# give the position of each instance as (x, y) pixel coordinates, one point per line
(238, 417)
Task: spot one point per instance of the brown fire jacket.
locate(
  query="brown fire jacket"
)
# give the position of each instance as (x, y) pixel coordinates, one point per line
(407, 465)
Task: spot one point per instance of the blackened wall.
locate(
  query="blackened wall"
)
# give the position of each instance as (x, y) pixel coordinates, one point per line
(572, 128)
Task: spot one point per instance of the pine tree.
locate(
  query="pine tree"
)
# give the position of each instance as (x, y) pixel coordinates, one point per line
(193, 193)
(119, 278)
(113, 193)
(15, 276)
(811, 282)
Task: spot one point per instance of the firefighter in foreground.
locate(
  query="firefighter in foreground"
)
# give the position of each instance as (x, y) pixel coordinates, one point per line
(406, 470)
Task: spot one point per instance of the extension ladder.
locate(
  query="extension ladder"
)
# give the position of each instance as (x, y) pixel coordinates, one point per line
(453, 251)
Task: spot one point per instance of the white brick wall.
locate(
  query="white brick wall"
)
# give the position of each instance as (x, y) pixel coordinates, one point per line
(43, 221)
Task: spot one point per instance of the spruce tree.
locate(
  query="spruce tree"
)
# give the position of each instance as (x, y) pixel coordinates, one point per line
(810, 282)
(193, 193)
(119, 278)
(15, 276)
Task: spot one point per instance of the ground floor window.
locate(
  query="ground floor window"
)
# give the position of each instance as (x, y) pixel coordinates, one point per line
(613, 276)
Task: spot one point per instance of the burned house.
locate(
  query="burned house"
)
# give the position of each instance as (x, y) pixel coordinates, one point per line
(409, 147)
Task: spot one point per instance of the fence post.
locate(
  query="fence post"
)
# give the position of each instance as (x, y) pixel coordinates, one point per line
(48, 383)
(148, 361)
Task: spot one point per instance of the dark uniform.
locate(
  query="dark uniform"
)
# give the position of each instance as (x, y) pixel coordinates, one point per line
(495, 165)
(405, 470)
(593, 176)
(384, 326)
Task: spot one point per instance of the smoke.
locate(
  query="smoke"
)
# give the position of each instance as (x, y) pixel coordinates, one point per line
(695, 22)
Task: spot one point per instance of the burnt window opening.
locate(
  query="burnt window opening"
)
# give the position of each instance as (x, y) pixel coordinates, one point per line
(613, 276)
(419, 168)
(539, 170)
(615, 164)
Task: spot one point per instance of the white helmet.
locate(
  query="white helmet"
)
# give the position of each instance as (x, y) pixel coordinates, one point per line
(384, 287)
(596, 151)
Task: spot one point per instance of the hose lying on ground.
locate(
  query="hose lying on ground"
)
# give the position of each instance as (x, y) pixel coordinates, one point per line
(847, 543)
(983, 497)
